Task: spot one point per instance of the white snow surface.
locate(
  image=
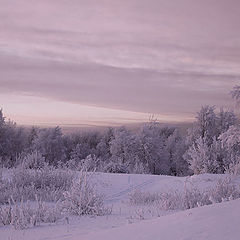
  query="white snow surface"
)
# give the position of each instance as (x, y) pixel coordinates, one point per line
(215, 222)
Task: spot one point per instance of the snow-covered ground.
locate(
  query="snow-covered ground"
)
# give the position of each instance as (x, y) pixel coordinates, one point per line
(215, 222)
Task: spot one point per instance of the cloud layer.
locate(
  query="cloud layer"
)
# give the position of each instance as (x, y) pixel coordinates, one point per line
(155, 56)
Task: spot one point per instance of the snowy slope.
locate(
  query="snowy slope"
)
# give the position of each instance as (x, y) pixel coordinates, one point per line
(116, 188)
(213, 222)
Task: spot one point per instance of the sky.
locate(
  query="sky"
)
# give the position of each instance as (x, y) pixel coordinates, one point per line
(113, 62)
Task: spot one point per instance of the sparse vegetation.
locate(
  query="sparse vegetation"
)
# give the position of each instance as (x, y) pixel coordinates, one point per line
(47, 183)
(224, 190)
(30, 197)
(26, 214)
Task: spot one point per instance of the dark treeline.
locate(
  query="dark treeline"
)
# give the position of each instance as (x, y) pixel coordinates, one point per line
(211, 145)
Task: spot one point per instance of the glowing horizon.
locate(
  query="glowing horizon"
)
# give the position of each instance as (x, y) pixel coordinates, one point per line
(37, 111)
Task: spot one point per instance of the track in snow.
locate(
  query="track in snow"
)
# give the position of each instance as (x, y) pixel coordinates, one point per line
(119, 196)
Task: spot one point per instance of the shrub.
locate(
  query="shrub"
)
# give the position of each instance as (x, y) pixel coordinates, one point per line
(138, 197)
(47, 183)
(190, 198)
(89, 164)
(24, 215)
(33, 160)
(224, 190)
(81, 199)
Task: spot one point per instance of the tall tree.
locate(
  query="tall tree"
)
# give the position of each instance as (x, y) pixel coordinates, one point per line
(49, 142)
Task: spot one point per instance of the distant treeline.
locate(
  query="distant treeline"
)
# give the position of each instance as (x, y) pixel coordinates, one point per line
(211, 145)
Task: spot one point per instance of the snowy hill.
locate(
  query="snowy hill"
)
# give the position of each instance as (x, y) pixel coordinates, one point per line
(215, 222)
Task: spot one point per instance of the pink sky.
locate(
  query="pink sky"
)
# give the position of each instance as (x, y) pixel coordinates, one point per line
(111, 61)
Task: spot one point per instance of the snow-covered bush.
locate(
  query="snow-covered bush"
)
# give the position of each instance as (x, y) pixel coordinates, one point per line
(68, 196)
(33, 160)
(81, 198)
(26, 214)
(90, 163)
(170, 200)
(48, 183)
(191, 198)
(138, 197)
(224, 190)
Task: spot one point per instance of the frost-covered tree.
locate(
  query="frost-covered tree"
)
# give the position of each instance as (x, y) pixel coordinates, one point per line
(49, 143)
(90, 163)
(236, 93)
(204, 158)
(153, 150)
(230, 141)
(13, 141)
(103, 147)
(79, 152)
(176, 148)
(2, 119)
(205, 153)
(33, 134)
(206, 126)
(84, 143)
(123, 147)
(225, 119)
(77, 160)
